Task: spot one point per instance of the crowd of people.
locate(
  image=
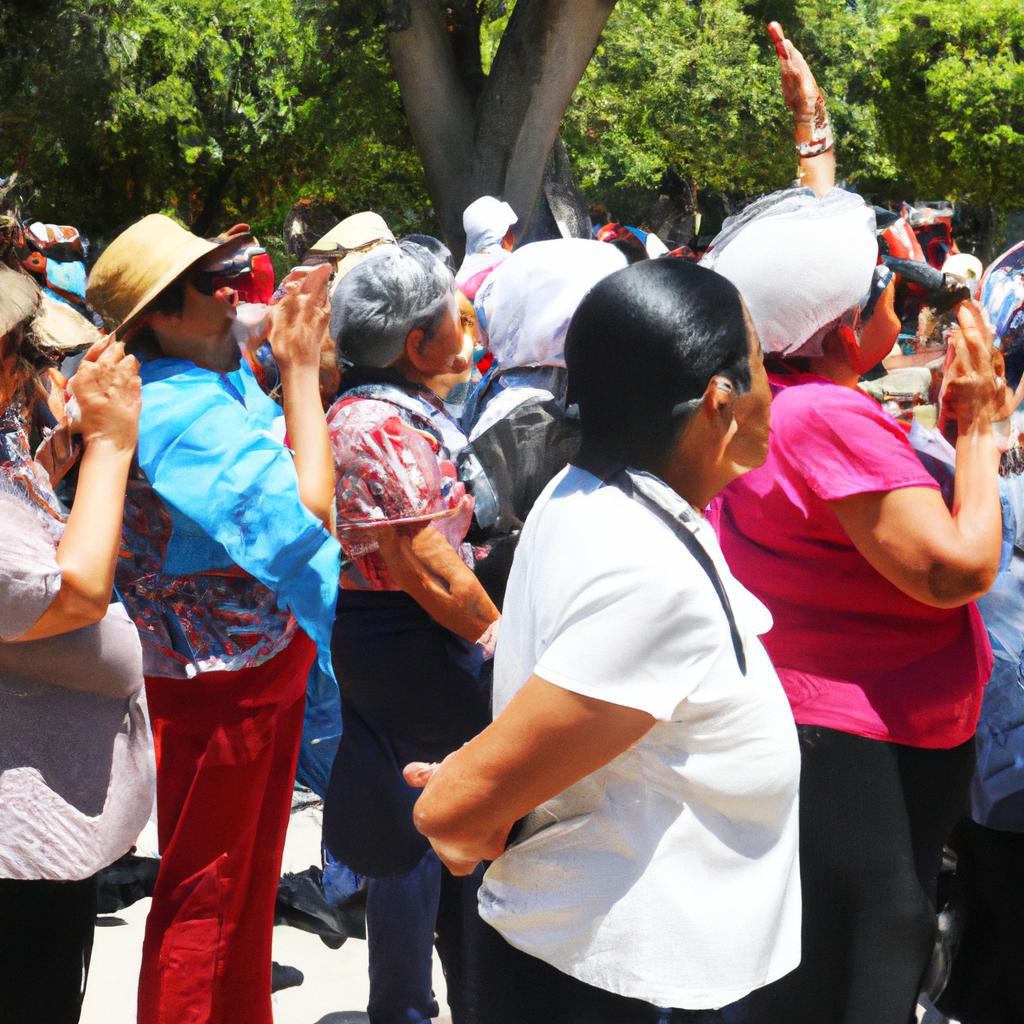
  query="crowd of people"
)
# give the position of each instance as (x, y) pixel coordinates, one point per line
(631, 612)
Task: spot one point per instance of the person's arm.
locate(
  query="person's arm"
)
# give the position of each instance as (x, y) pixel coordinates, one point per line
(108, 391)
(545, 740)
(940, 557)
(423, 563)
(297, 333)
(806, 102)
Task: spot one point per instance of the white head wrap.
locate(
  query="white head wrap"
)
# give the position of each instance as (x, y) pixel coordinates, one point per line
(485, 221)
(527, 303)
(799, 262)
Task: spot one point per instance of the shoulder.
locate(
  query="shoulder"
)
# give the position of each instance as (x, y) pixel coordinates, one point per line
(581, 529)
(818, 410)
(353, 413)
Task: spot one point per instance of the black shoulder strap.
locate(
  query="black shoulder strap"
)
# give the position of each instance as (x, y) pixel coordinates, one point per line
(614, 474)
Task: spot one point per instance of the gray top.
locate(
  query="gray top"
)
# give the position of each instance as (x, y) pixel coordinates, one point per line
(76, 775)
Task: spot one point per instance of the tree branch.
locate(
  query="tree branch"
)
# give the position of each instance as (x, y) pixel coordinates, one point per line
(438, 107)
(541, 58)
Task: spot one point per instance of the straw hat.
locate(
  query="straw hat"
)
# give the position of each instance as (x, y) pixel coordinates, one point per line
(351, 240)
(59, 330)
(19, 299)
(140, 263)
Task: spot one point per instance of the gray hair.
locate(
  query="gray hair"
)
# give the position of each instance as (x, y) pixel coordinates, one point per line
(395, 290)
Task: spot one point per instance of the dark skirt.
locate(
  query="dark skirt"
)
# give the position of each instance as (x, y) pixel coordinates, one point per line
(410, 691)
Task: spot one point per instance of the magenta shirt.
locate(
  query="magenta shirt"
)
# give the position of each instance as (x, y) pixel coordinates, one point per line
(853, 652)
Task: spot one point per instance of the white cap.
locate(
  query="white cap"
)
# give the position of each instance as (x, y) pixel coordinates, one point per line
(799, 262)
(485, 221)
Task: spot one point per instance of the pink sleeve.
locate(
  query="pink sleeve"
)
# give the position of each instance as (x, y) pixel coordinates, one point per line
(842, 443)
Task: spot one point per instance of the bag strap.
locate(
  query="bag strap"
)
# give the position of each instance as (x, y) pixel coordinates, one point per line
(615, 474)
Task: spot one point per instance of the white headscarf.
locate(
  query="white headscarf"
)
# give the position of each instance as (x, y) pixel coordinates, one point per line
(799, 262)
(527, 303)
(485, 221)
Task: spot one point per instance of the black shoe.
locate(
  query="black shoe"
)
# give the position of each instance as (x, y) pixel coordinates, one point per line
(282, 976)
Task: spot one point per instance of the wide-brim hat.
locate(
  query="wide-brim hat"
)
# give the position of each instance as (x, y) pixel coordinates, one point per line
(140, 263)
(58, 330)
(19, 299)
(351, 240)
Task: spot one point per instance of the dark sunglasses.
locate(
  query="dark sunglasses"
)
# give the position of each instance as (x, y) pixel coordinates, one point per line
(223, 274)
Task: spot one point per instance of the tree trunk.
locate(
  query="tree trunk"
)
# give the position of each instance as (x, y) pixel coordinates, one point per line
(504, 143)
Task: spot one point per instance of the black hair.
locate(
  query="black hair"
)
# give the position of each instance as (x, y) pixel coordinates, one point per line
(643, 341)
(143, 342)
(435, 246)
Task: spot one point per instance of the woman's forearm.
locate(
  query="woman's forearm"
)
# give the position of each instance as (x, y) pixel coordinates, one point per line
(976, 509)
(87, 553)
(307, 436)
(428, 569)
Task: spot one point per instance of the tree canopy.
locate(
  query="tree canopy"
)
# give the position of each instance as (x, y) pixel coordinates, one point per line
(224, 110)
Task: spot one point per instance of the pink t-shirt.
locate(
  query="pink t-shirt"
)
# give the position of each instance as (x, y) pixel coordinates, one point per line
(853, 652)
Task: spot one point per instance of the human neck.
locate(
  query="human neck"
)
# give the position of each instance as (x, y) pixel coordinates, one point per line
(434, 381)
(220, 358)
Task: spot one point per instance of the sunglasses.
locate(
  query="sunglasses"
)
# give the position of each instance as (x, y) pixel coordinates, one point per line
(223, 274)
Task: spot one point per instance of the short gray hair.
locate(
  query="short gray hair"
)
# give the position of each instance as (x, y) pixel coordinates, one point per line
(395, 290)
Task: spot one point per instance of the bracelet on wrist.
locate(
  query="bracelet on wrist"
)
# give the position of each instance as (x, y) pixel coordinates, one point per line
(821, 140)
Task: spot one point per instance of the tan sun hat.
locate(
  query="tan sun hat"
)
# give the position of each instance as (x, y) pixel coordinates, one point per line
(351, 239)
(58, 330)
(19, 299)
(140, 263)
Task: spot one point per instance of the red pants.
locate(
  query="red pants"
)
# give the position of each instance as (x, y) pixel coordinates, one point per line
(226, 747)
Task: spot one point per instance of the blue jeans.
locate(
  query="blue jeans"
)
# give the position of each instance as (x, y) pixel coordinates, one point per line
(402, 915)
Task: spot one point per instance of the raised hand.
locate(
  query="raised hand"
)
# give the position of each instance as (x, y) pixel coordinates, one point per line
(973, 387)
(800, 91)
(108, 393)
(298, 326)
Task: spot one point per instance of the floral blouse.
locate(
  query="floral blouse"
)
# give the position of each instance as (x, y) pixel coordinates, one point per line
(392, 466)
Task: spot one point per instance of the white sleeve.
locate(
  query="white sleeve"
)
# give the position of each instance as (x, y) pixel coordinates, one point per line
(636, 631)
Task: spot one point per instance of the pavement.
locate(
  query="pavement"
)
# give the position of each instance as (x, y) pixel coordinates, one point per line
(335, 989)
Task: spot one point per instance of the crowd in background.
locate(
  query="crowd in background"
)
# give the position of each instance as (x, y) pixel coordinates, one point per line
(650, 620)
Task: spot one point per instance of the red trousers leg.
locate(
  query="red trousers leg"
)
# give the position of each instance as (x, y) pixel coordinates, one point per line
(226, 748)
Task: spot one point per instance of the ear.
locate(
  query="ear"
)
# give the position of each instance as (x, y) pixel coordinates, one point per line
(414, 349)
(717, 400)
(847, 337)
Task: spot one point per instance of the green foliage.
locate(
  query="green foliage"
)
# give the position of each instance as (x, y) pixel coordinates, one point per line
(213, 110)
(692, 88)
(952, 99)
(225, 110)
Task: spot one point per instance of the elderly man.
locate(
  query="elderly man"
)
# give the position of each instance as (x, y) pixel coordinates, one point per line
(231, 579)
(409, 614)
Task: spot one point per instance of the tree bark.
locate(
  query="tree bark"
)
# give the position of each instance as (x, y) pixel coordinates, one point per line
(504, 143)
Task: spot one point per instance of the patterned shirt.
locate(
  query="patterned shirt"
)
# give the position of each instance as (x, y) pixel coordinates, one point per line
(392, 465)
(223, 560)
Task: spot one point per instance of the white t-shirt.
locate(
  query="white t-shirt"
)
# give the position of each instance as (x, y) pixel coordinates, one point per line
(669, 875)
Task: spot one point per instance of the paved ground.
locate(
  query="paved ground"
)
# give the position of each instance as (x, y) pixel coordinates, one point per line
(335, 986)
(335, 989)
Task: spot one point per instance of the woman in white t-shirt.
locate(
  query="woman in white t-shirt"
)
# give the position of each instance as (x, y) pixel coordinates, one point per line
(639, 725)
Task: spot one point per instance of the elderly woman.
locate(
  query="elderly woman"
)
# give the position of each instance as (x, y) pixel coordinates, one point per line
(525, 308)
(75, 771)
(410, 611)
(870, 580)
(639, 725)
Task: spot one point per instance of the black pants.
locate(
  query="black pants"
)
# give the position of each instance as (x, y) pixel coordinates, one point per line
(512, 987)
(987, 982)
(873, 820)
(46, 931)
